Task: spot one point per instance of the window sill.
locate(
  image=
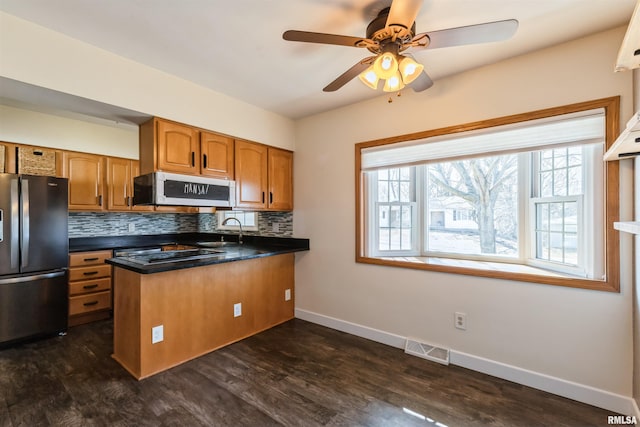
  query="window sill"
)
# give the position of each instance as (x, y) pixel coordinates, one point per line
(492, 269)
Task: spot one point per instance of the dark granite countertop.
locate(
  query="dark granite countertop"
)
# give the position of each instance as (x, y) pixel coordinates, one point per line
(252, 247)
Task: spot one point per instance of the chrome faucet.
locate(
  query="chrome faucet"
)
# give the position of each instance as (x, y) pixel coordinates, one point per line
(239, 225)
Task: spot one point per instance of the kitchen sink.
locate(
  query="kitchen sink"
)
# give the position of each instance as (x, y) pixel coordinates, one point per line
(173, 256)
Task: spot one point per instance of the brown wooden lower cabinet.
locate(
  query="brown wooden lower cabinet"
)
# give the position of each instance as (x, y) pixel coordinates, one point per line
(195, 310)
(89, 287)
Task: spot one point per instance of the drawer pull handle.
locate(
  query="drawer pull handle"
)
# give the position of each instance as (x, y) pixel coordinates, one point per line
(90, 273)
(91, 259)
(87, 304)
(90, 286)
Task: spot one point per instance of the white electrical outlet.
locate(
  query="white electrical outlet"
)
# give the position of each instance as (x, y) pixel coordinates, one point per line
(157, 334)
(237, 309)
(460, 320)
(275, 227)
(287, 294)
(132, 227)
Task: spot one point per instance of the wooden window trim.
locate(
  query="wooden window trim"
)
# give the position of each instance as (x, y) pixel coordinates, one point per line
(611, 283)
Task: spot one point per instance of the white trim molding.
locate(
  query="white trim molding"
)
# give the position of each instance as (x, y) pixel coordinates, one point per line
(582, 393)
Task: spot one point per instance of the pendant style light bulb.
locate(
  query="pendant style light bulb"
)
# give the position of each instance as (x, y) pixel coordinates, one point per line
(393, 83)
(369, 78)
(409, 69)
(385, 65)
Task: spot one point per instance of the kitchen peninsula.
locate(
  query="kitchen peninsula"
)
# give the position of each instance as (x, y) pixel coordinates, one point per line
(176, 305)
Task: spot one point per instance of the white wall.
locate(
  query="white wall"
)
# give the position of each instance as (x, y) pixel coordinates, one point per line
(572, 335)
(41, 57)
(46, 130)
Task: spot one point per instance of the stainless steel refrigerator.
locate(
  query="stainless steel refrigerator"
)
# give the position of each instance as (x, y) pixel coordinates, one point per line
(34, 246)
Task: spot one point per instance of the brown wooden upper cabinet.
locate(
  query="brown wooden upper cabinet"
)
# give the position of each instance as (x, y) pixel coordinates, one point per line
(120, 174)
(86, 180)
(216, 152)
(175, 147)
(264, 177)
(280, 166)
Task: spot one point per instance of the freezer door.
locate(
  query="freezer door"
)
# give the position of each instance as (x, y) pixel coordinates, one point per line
(33, 305)
(9, 224)
(45, 233)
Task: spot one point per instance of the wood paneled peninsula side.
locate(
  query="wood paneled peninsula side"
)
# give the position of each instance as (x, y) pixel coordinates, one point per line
(166, 313)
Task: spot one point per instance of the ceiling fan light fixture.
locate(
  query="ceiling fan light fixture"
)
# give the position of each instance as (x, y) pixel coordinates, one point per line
(393, 83)
(370, 78)
(409, 69)
(385, 65)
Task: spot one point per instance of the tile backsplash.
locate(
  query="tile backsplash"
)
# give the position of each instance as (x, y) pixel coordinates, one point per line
(88, 224)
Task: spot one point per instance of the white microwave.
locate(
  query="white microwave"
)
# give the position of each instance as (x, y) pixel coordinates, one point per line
(163, 188)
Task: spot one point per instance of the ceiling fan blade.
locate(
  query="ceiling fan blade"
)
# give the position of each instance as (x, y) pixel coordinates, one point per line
(309, 37)
(403, 13)
(348, 75)
(471, 34)
(423, 82)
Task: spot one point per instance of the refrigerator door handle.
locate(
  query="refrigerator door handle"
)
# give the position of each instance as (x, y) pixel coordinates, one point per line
(23, 279)
(14, 223)
(25, 223)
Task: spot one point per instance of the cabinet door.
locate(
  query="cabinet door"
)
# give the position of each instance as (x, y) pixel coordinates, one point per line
(85, 173)
(216, 155)
(8, 162)
(178, 147)
(118, 184)
(3, 159)
(251, 175)
(280, 179)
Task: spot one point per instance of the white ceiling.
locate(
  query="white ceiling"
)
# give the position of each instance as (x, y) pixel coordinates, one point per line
(235, 47)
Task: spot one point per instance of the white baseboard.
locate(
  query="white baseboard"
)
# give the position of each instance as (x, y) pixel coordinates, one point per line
(352, 328)
(579, 392)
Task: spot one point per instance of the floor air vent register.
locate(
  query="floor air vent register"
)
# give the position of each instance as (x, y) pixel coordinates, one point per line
(427, 351)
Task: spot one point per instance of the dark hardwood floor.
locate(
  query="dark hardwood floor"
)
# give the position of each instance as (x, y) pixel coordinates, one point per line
(297, 374)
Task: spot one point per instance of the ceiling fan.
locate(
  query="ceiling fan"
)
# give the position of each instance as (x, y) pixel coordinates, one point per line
(393, 32)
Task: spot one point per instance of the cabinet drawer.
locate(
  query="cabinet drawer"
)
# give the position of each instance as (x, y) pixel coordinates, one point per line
(91, 302)
(86, 286)
(80, 259)
(88, 273)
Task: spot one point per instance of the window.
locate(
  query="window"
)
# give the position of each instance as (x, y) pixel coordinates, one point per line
(521, 201)
(395, 210)
(249, 220)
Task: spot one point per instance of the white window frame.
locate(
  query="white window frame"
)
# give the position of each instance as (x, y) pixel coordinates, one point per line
(373, 218)
(590, 261)
(233, 225)
(590, 258)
